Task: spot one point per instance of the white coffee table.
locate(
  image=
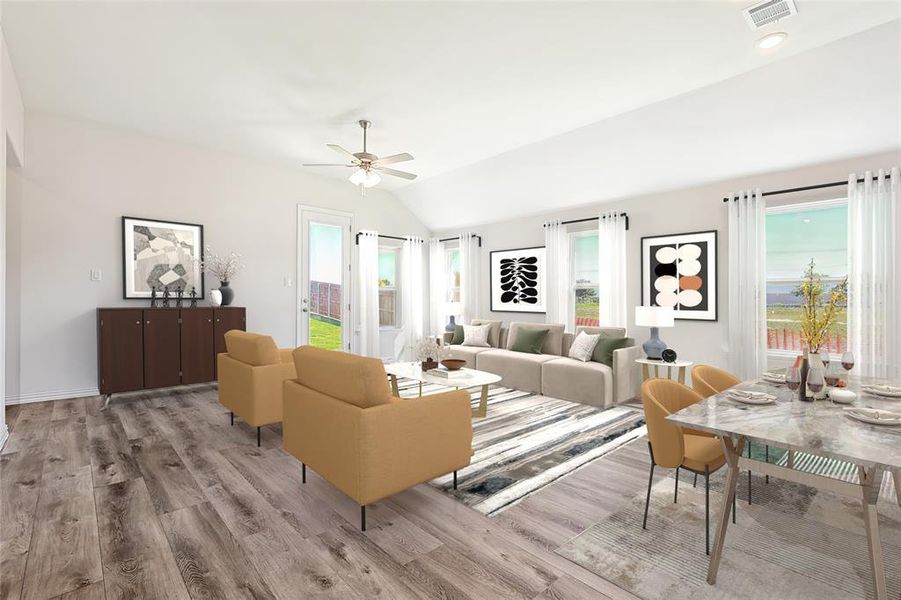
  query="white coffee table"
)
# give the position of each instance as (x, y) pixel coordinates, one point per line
(679, 365)
(471, 378)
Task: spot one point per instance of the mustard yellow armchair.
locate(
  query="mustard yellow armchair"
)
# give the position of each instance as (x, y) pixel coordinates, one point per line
(341, 419)
(251, 374)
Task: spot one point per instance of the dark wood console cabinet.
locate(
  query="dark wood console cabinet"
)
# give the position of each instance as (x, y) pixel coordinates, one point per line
(147, 348)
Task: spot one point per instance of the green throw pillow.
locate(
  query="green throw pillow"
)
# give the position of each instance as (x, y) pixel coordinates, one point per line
(529, 340)
(603, 351)
(458, 335)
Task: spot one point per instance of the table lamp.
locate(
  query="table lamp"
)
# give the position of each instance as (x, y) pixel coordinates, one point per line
(654, 317)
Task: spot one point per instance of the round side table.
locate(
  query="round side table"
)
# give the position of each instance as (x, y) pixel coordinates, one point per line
(679, 365)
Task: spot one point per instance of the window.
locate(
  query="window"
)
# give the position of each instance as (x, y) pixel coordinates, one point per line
(795, 234)
(452, 268)
(584, 252)
(388, 299)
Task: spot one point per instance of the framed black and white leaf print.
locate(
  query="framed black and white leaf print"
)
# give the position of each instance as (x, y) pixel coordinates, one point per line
(517, 280)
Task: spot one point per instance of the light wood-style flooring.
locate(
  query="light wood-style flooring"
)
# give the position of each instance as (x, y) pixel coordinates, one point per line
(158, 497)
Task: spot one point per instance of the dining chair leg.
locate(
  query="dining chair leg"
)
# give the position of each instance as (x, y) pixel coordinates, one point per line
(258, 437)
(707, 509)
(767, 450)
(647, 500)
(695, 484)
(363, 517)
(303, 472)
(232, 417)
(676, 492)
(455, 480)
(733, 509)
(749, 475)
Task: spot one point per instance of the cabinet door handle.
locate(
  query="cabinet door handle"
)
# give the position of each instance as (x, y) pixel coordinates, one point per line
(148, 322)
(137, 322)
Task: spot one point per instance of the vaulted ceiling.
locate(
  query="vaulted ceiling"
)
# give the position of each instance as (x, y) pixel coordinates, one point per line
(506, 106)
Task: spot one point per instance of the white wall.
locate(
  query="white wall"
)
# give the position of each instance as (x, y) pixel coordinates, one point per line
(691, 209)
(12, 152)
(65, 210)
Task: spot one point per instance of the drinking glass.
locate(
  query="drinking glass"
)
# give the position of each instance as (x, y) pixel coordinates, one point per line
(793, 378)
(832, 375)
(815, 380)
(847, 361)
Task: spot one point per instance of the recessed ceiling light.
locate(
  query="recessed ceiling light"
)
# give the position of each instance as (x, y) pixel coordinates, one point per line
(772, 40)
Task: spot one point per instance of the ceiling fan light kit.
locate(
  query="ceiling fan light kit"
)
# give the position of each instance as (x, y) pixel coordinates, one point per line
(367, 164)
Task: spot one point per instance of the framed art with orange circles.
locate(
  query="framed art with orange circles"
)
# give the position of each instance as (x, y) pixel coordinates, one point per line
(680, 271)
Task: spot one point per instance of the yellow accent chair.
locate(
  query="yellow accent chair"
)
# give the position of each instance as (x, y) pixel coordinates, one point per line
(707, 381)
(673, 447)
(341, 419)
(251, 374)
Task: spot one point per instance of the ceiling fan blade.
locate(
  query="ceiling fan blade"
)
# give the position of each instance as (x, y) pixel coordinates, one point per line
(341, 150)
(394, 158)
(327, 165)
(396, 173)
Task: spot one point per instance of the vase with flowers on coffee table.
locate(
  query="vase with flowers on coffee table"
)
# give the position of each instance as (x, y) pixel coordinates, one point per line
(460, 379)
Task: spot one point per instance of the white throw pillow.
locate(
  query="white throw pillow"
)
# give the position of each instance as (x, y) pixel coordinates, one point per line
(476, 335)
(583, 346)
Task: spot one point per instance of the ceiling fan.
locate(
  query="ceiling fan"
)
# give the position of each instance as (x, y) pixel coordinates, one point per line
(368, 166)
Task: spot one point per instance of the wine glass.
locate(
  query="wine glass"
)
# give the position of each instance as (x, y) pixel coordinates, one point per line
(793, 378)
(847, 361)
(815, 380)
(832, 375)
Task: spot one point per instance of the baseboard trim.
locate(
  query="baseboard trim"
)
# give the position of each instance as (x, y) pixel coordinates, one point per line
(49, 396)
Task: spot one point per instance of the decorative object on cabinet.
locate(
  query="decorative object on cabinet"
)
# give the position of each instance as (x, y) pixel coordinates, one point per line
(224, 268)
(215, 297)
(517, 280)
(159, 253)
(148, 348)
(669, 355)
(679, 271)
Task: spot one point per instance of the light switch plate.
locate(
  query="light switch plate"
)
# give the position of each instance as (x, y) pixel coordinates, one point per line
(96, 274)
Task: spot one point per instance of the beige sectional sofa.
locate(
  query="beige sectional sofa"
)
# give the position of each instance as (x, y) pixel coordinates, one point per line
(552, 372)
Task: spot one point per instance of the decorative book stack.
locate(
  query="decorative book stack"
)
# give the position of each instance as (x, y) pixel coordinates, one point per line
(458, 374)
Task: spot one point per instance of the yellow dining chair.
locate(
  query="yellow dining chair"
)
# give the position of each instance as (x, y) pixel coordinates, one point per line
(674, 447)
(707, 381)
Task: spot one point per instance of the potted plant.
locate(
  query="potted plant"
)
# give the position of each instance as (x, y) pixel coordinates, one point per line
(429, 352)
(819, 313)
(223, 268)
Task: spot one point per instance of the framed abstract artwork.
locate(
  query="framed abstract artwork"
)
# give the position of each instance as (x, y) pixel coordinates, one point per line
(517, 280)
(680, 271)
(159, 254)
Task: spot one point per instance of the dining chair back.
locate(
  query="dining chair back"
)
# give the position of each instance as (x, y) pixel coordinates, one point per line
(707, 380)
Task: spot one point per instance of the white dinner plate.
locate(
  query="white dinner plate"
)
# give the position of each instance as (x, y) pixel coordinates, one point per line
(749, 397)
(874, 416)
(774, 377)
(886, 391)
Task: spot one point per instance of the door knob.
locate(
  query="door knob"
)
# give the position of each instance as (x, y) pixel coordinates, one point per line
(304, 310)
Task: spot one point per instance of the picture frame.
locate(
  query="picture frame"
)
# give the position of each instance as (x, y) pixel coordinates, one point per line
(517, 280)
(165, 252)
(680, 270)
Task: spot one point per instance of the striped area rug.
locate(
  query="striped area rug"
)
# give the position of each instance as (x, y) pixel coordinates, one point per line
(527, 441)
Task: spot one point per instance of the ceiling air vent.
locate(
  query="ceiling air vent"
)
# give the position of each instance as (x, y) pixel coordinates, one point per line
(768, 11)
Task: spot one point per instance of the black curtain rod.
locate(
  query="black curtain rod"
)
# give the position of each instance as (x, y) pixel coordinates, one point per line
(587, 219)
(394, 237)
(806, 188)
(458, 237)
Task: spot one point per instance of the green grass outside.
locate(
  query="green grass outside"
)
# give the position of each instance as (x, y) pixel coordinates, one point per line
(587, 310)
(325, 335)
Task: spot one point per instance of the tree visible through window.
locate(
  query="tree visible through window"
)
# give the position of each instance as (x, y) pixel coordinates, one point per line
(794, 235)
(585, 277)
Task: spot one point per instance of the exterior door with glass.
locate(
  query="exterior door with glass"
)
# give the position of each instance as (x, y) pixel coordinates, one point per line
(324, 283)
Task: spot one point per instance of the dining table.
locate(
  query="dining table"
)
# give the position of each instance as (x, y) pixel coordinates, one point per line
(820, 428)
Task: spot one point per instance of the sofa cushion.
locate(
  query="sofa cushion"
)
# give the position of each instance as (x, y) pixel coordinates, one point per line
(457, 339)
(529, 341)
(553, 343)
(494, 334)
(518, 370)
(357, 380)
(251, 348)
(476, 335)
(583, 345)
(603, 351)
(467, 353)
(577, 381)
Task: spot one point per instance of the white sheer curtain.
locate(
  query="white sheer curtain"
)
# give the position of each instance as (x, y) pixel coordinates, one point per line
(747, 284)
(470, 262)
(368, 269)
(874, 291)
(437, 287)
(411, 291)
(558, 276)
(612, 270)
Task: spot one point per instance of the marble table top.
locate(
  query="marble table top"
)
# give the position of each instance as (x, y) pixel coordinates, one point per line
(819, 427)
(466, 378)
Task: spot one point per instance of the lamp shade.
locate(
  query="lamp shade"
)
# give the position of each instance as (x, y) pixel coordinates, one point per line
(654, 316)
